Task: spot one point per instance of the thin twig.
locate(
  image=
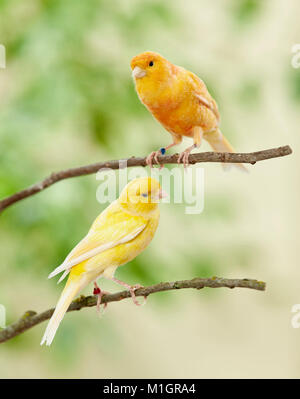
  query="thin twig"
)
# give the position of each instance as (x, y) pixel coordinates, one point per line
(55, 177)
(31, 319)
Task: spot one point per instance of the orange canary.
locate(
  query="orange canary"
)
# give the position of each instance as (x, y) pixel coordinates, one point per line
(180, 101)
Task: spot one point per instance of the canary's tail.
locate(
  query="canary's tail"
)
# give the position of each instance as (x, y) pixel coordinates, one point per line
(220, 144)
(71, 289)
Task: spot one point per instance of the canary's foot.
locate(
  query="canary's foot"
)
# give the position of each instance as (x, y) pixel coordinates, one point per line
(184, 156)
(97, 291)
(131, 289)
(135, 301)
(154, 157)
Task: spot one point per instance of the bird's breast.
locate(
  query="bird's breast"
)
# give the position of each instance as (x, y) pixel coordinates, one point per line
(174, 104)
(178, 113)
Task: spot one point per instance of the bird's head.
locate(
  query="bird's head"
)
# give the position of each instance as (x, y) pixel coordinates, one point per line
(141, 196)
(150, 66)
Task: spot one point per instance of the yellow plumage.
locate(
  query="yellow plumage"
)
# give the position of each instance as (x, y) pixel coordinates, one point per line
(118, 235)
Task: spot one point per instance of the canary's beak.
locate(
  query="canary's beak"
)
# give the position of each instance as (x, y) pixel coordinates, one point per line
(162, 194)
(138, 72)
(159, 195)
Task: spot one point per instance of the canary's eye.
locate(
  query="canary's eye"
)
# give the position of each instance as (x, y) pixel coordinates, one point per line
(151, 63)
(145, 195)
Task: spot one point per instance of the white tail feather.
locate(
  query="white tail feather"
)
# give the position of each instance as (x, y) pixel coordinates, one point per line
(63, 276)
(62, 306)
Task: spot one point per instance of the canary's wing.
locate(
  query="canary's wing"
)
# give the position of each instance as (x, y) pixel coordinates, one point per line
(202, 94)
(115, 229)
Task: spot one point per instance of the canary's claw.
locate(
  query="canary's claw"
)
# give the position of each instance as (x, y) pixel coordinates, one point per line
(184, 158)
(153, 157)
(132, 290)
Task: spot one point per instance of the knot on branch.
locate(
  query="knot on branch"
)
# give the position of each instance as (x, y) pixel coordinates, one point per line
(28, 314)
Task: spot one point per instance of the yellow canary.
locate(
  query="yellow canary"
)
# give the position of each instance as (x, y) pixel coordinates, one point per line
(180, 101)
(118, 235)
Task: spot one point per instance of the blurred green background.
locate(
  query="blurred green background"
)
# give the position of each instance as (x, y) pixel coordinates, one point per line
(67, 99)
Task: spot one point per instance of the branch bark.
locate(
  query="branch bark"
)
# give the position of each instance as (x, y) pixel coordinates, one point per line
(31, 318)
(55, 177)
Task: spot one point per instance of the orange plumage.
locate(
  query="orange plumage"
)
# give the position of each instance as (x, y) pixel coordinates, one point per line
(180, 101)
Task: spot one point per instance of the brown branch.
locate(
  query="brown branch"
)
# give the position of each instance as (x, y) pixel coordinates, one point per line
(55, 177)
(31, 319)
